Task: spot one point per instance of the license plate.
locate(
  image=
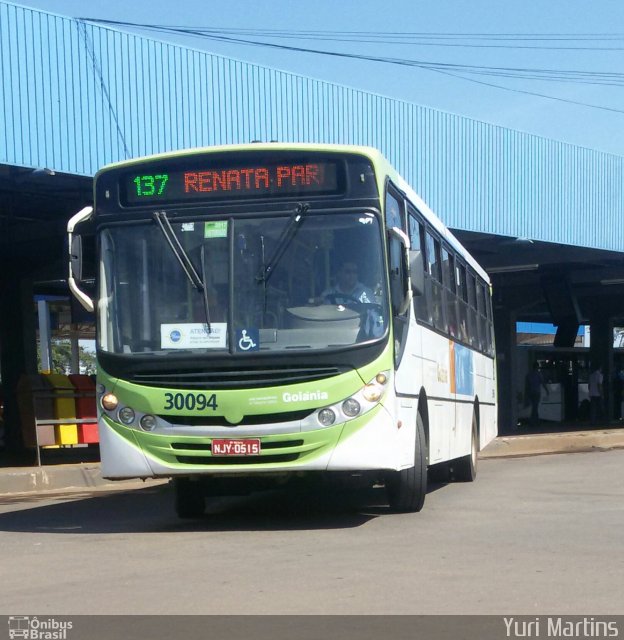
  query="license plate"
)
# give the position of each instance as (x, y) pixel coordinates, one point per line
(236, 447)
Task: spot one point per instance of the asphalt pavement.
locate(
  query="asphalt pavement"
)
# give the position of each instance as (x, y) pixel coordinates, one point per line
(55, 477)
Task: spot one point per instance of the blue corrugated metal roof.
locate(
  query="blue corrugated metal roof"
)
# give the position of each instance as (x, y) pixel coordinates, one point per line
(76, 96)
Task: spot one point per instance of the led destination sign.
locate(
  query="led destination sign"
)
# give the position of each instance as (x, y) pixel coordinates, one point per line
(257, 181)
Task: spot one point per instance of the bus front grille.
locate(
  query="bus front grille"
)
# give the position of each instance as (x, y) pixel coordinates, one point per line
(228, 379)
(237, 460)
(250, 420)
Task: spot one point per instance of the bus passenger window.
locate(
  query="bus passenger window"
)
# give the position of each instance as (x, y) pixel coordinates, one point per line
(393, 212)
(434, 290)
(483, 321)
(473, 323)
(417, 235)
(448, 275)
(462, 303)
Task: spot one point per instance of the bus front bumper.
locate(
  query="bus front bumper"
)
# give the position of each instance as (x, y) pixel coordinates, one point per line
(369, 442)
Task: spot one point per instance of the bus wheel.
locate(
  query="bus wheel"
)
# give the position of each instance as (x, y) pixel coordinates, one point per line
(189, 498)
(465, 469)
(406, 489)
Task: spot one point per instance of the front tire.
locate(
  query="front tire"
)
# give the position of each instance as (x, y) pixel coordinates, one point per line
(406, 489)
(465, 469)
(190, 501)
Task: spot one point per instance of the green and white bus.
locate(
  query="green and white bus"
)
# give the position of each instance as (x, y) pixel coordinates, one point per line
(269, 311)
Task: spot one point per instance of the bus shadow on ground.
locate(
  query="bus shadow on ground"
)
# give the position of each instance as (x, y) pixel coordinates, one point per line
(151, 510)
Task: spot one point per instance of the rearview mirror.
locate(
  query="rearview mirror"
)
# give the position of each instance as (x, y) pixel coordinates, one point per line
(75, 258)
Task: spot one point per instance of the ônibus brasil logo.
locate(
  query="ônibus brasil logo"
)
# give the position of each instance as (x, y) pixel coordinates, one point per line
(33, 628)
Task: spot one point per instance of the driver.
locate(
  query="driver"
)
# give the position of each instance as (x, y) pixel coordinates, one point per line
(348, 288)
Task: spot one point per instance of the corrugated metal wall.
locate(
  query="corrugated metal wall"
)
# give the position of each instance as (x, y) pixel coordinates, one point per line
(74, 97)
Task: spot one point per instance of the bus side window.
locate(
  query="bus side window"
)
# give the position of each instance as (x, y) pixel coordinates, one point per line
(473, 322)
(462, 302)
(416, 235)
(490, 324)
(483, 320)
(448, 276)
(398, 278)
(434, 290)
(393, 212)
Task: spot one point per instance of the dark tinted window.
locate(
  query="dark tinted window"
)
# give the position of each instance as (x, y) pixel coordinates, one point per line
(435, 295)
(417, 240)
(450, 297)
(393, 211)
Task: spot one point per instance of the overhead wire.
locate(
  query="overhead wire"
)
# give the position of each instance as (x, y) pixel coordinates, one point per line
(410, 38)
(460, 71)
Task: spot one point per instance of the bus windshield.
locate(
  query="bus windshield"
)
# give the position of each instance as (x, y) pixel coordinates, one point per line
(270, 285)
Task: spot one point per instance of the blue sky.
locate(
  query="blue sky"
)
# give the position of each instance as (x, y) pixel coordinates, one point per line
(585, 126)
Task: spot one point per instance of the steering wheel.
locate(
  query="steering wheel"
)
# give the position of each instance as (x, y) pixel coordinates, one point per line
(352, 300)
(334, 297)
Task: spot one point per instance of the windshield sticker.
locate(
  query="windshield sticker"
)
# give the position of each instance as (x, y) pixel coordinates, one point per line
(216, 229)
(188, 226)
(193, 335)
(248, 339)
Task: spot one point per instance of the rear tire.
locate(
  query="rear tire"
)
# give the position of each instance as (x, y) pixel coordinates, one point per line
(465, 469)
(190, 501)
(406, 489)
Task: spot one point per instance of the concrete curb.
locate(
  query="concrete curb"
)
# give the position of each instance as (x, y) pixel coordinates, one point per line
(88, 475)
(54, 478)
(549, 443)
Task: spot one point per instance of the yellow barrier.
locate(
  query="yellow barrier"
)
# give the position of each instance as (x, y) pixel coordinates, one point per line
(64, 408)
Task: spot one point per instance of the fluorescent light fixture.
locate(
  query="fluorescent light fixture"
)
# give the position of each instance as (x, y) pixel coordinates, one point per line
(513, 268)
(612, 281)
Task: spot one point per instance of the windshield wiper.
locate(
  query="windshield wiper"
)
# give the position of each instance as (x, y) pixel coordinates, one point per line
(267, 270)
(202, 258)
(185, 262)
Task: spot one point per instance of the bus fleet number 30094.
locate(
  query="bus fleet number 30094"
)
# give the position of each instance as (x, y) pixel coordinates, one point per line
(190, 401)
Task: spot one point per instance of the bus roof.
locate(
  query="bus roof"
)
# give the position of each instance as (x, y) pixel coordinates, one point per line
(372, 153)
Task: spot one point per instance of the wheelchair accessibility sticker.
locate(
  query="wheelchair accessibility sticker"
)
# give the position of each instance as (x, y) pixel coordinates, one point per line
(247, 340)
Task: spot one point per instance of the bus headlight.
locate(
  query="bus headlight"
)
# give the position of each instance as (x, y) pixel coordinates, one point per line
(109, 401)
(148, 422)
(326, 417)
(351, 407)
(381, 378)
(362, 401)
(373, 391)
(126, 415)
